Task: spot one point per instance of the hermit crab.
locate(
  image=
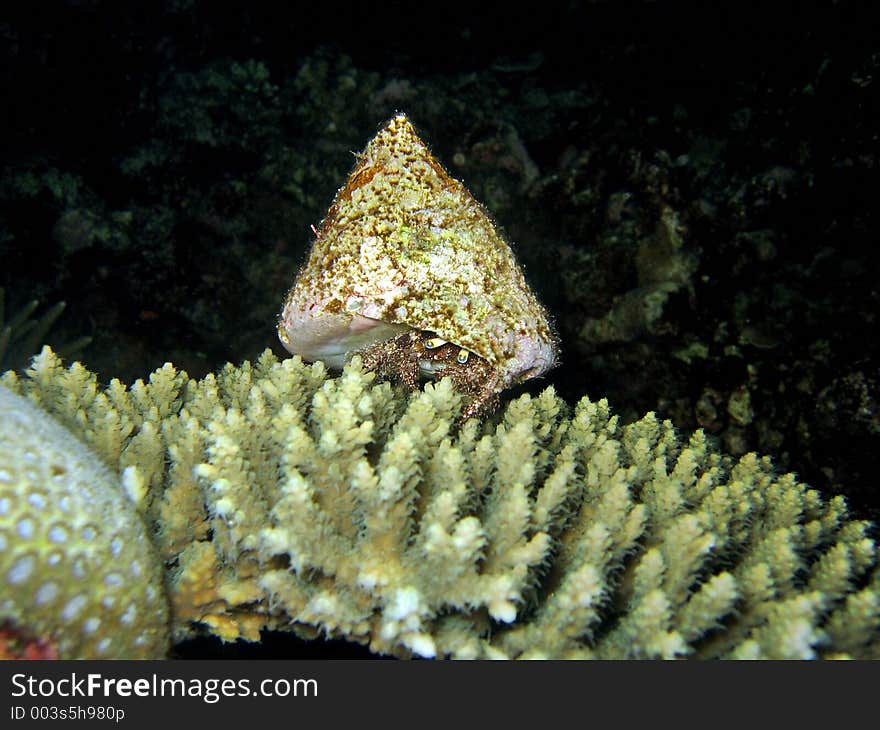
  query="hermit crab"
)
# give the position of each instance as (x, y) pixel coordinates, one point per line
(408, 270)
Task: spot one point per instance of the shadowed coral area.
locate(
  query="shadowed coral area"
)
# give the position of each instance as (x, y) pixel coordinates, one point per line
(279, 498)
(22, 334)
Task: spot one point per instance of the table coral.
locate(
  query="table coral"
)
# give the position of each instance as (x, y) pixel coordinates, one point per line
(282, 498)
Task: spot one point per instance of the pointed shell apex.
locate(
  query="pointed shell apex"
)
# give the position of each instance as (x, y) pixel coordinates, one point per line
(411, 247)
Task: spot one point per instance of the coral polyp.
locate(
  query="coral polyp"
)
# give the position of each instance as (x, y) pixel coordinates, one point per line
(405, 248)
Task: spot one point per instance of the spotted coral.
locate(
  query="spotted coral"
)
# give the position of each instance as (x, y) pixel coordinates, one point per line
(78, 573)
(281, 498)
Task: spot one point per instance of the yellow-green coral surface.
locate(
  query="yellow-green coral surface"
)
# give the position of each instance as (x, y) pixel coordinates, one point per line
(279, 497)
(77, 569)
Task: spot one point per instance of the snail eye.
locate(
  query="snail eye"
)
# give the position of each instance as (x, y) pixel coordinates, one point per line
(462, 356)
(432, 343)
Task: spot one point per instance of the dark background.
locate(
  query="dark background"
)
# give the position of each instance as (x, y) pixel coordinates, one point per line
(692, 194)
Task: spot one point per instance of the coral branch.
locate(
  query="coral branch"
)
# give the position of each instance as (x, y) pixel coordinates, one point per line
(279, 498)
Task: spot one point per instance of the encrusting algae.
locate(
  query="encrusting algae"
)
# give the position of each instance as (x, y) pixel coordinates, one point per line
(408, 269)
(280, 498)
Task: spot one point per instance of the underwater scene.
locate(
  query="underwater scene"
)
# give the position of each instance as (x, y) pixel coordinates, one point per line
(366, 331)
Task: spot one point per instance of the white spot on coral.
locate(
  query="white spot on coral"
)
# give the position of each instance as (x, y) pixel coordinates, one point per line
(467, 536)
(423, 645)
(115, 546)
(112, 580)
(323, 606)
(134, 484)
(2, 542)
(21, 570)
(405, 603)
(37, 500)
(89, 533)
(502, 611)
(5, 506)
(25, 529)
(136, 569)
(6, 476)
(53, 559)
(91, 625)
(129, 616)
(224, 507)
(368, 580)
(46, 593)
(73, 607)
(64, 504)
(79, 569)
(102, 645)
(57, 534)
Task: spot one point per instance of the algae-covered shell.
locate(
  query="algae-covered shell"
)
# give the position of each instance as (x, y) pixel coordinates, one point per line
(404, 245)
